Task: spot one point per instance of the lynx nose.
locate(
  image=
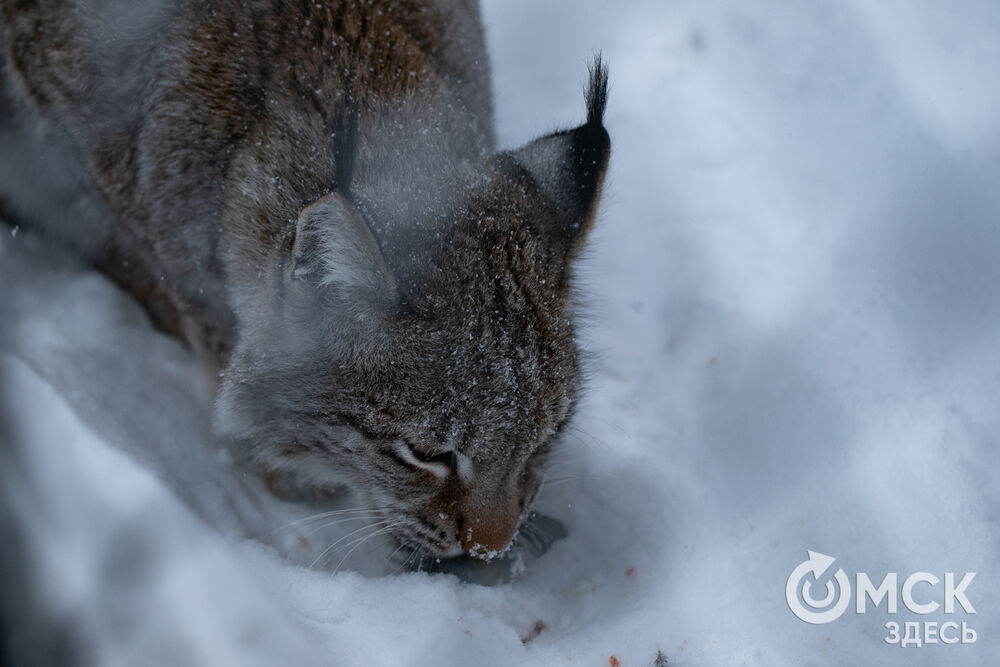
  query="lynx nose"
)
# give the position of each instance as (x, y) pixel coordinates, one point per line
(486, 537)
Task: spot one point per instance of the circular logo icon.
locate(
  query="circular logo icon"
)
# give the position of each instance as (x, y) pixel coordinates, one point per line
(831, 605)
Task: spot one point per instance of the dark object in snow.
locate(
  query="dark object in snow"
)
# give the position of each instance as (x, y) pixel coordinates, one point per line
(536, 630)
(309, 194)
(661, 660)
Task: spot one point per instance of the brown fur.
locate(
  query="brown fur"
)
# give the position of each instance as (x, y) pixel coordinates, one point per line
(309, 194)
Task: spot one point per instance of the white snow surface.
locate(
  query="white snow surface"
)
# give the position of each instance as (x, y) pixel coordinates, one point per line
(792, 303)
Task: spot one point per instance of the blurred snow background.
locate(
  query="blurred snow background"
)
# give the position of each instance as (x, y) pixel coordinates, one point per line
(794, 303)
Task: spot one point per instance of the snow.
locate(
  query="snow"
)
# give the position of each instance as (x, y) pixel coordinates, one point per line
(792, 303)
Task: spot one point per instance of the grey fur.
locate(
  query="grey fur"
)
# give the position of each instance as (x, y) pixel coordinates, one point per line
(309, 194)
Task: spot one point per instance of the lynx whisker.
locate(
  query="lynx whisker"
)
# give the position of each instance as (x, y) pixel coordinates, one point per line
(337, 522)
(333, 513)
(580, 433)
(330, 548)
(405, 562)
(383, 531)
(565, 478)
(531, 534)
(388, 559)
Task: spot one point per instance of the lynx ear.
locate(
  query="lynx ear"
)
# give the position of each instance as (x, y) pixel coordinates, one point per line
(335, 251)
(569, 166)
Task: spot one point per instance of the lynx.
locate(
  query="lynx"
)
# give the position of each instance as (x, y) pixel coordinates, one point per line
(309, 195)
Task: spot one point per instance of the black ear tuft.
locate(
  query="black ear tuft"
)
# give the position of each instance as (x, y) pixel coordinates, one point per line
(596, 93)
(568, 167)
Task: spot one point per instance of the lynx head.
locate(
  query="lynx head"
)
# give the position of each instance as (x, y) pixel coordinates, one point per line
(435, 380)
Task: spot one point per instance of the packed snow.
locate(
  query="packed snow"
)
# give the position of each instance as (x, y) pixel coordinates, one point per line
(791, 297)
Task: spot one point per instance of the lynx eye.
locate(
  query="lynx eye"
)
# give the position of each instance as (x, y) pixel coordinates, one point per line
(440, 464)
(443, 458)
